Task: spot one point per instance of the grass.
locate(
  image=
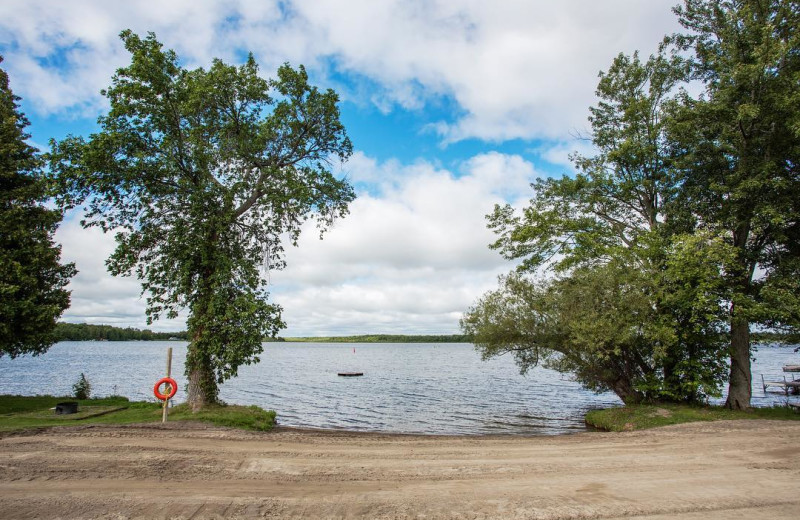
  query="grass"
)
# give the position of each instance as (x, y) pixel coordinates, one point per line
(642, 417)
(23, 412)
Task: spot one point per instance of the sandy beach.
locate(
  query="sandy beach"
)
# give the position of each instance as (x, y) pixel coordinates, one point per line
(739, 469)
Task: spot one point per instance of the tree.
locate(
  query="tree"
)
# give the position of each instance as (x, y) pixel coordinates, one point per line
(203, 174)
(569, 325)
(617, 200)
(738, 151)
(32, 281)
(606, 324)
(613, 223)
(82, 389)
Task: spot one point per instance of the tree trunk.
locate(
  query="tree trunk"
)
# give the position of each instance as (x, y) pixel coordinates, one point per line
(740, 388)
(202, 388)
(671, 386)
(740, 383)
(625, 391)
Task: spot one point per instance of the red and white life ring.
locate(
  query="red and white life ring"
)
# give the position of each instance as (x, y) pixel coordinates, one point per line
(173, 388)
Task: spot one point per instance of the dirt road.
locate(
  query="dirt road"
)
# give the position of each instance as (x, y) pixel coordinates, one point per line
(744, 469)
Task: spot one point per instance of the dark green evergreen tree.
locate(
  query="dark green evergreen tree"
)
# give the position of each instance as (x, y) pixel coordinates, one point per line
(32, 281)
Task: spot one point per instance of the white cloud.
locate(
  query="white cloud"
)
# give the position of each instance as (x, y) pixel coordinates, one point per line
(413, 253)
(558, 153)
(410, 259)
(97, 297)
(517, 69)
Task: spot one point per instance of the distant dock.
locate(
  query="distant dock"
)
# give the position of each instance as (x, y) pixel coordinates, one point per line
(793, 386)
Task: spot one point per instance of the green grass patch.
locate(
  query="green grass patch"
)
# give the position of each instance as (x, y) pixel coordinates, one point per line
(22, 412)
(17, 403)
(233, 416)
(642, 417)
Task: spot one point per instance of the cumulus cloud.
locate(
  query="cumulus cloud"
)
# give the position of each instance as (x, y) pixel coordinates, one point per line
(97, 297)
(515, 69)
(409, 259)
(413, 253)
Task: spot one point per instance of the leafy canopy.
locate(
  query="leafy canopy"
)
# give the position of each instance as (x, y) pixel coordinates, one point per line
(737, 151)
(621, 314)
(202, 174)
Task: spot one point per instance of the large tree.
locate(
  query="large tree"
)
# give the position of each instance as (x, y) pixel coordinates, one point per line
(602, 323)
(614, 217)
(32, 280)
(203, 174)
(738, 148)
(617, 199)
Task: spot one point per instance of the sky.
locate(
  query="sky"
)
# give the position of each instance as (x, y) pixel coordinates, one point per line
(452, 107)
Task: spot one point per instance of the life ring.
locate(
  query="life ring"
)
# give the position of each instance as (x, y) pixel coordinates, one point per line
(173, 388)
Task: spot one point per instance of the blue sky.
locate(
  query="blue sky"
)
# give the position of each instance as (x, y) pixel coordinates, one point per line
(452, 107)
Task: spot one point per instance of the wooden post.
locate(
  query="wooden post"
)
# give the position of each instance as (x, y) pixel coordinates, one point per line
(169, 374)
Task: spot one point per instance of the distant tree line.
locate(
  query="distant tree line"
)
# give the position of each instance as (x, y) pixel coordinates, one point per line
(87, 332)
(387, 338)
(776, 337)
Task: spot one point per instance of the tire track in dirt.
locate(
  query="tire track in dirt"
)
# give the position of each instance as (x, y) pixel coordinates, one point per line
(741, 469)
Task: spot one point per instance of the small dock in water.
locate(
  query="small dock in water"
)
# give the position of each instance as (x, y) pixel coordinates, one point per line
(787, 386)
(792, 386)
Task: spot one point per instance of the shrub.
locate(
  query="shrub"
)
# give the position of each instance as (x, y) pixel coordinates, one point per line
(82, 389)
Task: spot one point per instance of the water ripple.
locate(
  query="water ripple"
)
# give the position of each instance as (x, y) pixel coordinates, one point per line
(409, 388)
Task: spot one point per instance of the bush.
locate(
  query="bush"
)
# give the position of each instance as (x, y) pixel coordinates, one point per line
(82, 389)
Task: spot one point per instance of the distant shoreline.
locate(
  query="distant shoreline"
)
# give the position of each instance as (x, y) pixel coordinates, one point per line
(382, 338)
(88, 332)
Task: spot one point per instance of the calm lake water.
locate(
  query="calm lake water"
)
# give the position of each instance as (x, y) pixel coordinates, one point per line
(413, 388)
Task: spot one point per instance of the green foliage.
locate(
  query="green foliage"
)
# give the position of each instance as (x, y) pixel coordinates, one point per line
(603, 325)
(87, 332)
(775, 337)
(202, 174)
(642, 417)
(32, 281)
(699, 195)
(624, 313)
(82, 389)
(617, 200)
(737, 154)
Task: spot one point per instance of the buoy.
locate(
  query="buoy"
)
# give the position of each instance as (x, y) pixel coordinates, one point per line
(173, 388)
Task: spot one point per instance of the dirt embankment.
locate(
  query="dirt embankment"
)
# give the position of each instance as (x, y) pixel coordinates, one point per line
(743, 469)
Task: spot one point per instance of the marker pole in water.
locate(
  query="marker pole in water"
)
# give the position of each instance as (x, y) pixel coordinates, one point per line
(169, 374)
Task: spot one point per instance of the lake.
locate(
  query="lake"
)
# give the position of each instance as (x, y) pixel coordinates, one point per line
(409, 388)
